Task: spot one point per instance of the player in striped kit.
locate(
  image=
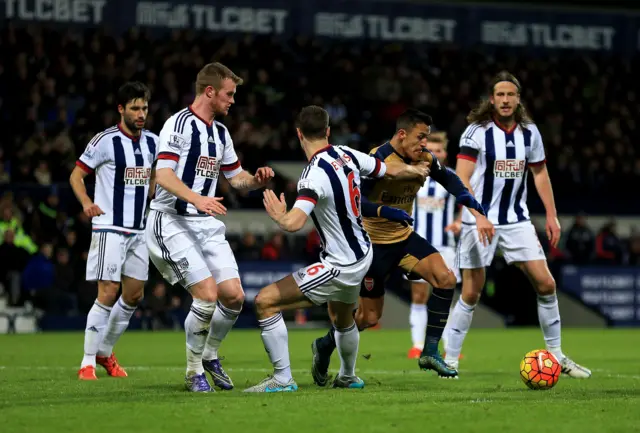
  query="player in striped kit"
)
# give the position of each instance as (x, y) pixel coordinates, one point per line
(433, 216)
(496, 151)
(122, 158)
(329, 192)
(186, 243)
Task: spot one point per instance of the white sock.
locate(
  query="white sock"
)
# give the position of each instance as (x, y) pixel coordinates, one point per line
(347, 341)
(456, 330)
(223, 320)
(418, 322)
(196, 328)
(96, 323)
(276, 343)
(118, 323)
(549, 317)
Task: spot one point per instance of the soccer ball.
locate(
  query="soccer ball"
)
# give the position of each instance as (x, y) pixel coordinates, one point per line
(540, 369)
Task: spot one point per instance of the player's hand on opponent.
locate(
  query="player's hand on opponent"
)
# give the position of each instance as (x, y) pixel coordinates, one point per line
(92, 210)
(455, 227)
(264, 175)
(210, 205)
(421, 170)
(274, 207)
(553, 230)
(393, 214)
(486, 230)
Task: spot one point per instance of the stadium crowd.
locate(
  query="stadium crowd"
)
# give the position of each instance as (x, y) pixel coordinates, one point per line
(57, 90)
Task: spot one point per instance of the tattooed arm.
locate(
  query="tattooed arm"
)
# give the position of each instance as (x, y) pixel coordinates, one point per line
(248, 182)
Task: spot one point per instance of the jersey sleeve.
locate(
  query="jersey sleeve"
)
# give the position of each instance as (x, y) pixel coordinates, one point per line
(470, 143)
(230, 164)
(368, 165)
(170, 146)
(537, 156)
(312, 188)
(95, 154)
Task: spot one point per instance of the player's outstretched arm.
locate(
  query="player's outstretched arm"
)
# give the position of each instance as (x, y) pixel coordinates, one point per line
(167, 179)
(401, 171)
(545, 191)
(80, 190)
(370, 209)
(291, 221)
(248, 182)
(464, 170)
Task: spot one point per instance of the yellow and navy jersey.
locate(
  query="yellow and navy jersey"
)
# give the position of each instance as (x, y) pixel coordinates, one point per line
(399, 194)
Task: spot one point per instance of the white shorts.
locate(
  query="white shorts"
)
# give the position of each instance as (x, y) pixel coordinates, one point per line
(188, 250)
(517, 242)
(322, 282)
(449, 256)
(113, 254)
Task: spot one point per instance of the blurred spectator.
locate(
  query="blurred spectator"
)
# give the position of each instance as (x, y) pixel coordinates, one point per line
(38, 278)
(608, 246)
(580, 241)
(274, 249)
(158, 307)
(11, 223)
(634, 249)
(13, 259)
(248, 248)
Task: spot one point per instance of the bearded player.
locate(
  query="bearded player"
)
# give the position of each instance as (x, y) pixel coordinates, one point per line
(497, 150)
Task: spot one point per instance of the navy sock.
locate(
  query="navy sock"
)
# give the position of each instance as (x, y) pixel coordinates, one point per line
(328, 342)
(438, 312)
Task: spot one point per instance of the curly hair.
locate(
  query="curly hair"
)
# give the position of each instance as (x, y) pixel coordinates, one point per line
(483, 113)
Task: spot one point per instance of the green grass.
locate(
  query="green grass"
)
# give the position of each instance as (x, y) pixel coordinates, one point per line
(39, 390)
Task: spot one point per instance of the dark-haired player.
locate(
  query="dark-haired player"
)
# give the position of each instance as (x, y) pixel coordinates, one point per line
(122, 158)
(395, 244)
(497, 149)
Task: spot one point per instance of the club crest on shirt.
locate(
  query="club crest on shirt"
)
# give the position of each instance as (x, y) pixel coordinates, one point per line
(368, 283)
(150, 158)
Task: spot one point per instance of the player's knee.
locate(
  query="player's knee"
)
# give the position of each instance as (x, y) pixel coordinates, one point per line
(470, 298)
(235, 300)
(445, 279)
(368, 319)
(264, 304)
(108, 292)
(133, 298)
(546, 286)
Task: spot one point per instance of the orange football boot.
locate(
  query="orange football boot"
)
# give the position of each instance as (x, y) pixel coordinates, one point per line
(414, 353)
(87, 372)
(111, 365)
(444, 354)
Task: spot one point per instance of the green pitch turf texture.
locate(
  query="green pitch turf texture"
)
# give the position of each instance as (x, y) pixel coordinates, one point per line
(39, 391)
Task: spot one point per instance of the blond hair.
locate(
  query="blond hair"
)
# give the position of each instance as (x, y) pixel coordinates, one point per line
(213, 74)
(439, 137)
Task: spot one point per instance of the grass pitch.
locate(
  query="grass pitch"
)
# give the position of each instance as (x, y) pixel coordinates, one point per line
(39, 391)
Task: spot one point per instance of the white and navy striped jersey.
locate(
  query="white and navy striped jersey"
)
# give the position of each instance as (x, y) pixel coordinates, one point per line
(197, 151)
(122, 165)
(502, 157)
(433, 210)
(329, 191)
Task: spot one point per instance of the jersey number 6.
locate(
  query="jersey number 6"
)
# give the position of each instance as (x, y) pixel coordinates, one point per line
(312, 270)
(354, 194)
